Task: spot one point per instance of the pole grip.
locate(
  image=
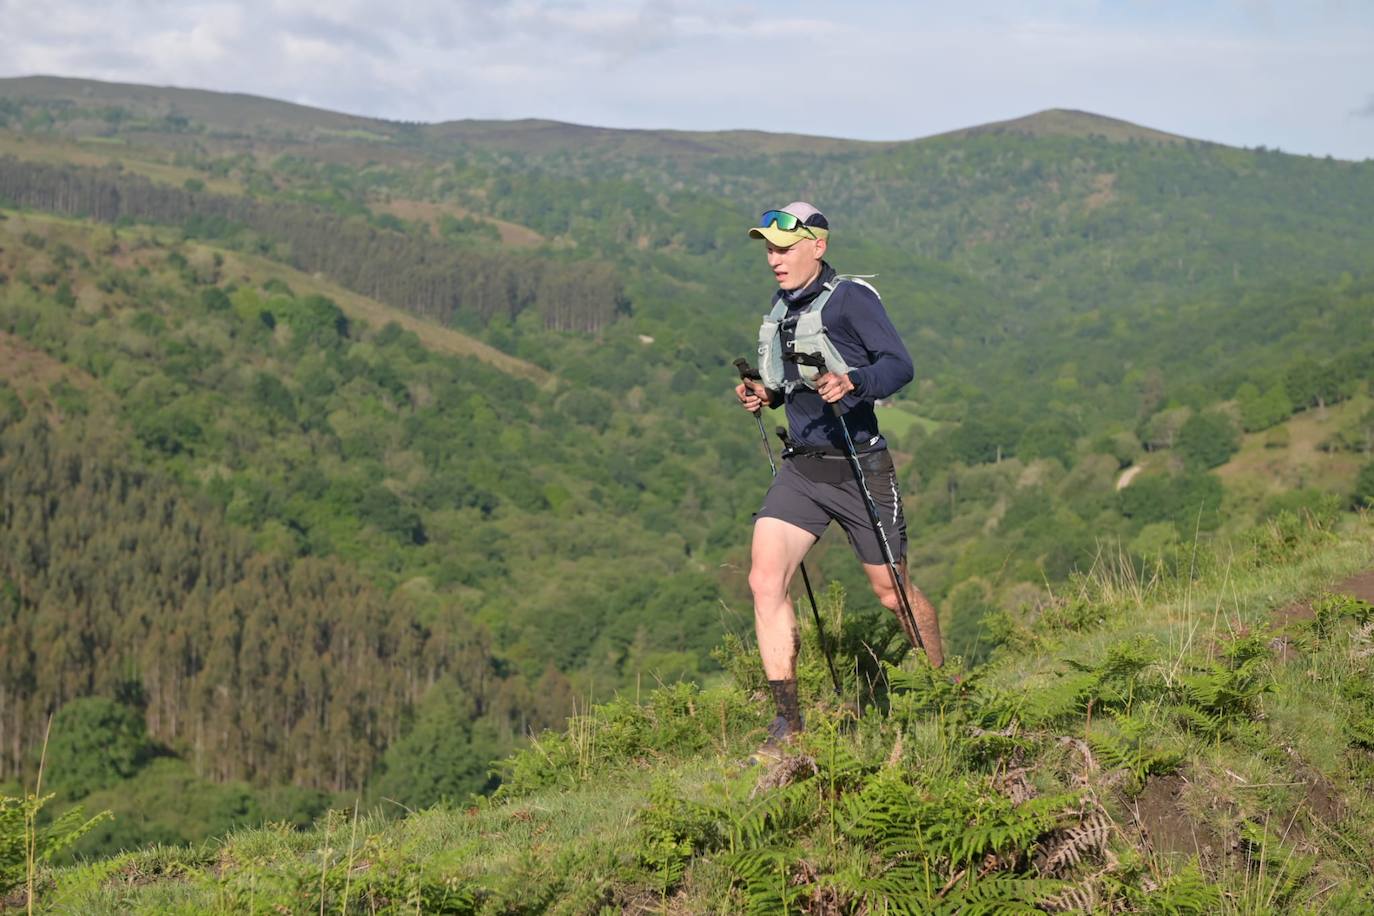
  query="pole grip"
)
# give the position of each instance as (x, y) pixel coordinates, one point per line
(817, 361)
(746, 371)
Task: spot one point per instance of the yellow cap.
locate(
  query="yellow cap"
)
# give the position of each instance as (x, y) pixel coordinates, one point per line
(783, 239)
(812, 225)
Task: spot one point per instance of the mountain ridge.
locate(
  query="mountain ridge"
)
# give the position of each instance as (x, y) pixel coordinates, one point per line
(260, 111)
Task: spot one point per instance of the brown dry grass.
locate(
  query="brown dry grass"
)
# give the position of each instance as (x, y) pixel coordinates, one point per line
(435, 337)
(1300, 463)
(150, 163)
(512, 234)
(29, 370)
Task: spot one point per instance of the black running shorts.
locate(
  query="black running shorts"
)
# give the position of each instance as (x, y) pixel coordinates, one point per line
(810, 504)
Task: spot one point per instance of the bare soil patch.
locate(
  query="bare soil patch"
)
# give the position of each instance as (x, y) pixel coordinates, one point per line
(1322, 797)
(1165, 824)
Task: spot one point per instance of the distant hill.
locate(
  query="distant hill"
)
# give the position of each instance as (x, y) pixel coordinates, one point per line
(224, 111)
(239, 112)
(1063, 122)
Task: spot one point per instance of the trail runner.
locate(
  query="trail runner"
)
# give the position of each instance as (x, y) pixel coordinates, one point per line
(815, 484)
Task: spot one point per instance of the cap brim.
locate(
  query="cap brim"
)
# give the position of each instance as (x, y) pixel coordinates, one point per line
(783, 239)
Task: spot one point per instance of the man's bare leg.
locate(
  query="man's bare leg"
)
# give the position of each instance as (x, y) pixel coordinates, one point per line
(777, 553)
(927, 621)
(778, 550)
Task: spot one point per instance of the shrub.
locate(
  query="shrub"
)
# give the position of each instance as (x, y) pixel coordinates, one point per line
(1208, 439)
(95, 743)
(1363, 497)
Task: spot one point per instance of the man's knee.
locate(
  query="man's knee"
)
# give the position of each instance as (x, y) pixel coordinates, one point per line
(767, 581)
(777, 551)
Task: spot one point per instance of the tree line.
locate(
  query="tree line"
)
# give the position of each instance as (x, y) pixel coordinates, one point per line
(426, 276)
(114, 582)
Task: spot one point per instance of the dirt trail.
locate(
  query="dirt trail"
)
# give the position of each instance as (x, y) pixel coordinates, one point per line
(1127, 476)
(1360, 585)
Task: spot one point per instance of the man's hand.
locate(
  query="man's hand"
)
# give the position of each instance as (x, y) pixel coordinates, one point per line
(752, 395)
(832, 387)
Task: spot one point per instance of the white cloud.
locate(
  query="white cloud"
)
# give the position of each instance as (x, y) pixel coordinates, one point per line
(1273, 72)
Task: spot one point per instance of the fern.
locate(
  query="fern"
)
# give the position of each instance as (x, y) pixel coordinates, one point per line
(948, 825)
(769, 881)
(1005, 827)
(779, 811)
(1089, 837)
(1330, 610)
(1215, 700)
(997, 895)
(671, 831)
(1185, 893)
(903, 887)
(926, 689)
(838, 767)
(1081, 896)
(1122, 679)
(1131, 752)
(21, 839)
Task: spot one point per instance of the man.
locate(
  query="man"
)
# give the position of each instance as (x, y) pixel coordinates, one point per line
(816, 310)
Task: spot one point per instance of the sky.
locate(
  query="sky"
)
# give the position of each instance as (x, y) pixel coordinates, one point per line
(1296, 75)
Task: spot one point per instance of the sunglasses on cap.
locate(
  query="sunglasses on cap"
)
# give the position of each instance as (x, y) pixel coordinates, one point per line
(788, 223)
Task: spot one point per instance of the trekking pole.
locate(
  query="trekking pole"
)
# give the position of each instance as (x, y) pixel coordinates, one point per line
(747, 373)
(906, 618)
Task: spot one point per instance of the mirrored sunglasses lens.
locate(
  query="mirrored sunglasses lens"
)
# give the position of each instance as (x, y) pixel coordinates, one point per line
(785, 221)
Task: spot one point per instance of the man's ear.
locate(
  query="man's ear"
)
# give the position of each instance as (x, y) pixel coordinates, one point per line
(820, 248)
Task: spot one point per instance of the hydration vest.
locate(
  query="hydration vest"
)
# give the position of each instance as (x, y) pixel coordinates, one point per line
(808, 336)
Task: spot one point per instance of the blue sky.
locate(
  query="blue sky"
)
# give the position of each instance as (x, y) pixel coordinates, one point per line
(1280, 73)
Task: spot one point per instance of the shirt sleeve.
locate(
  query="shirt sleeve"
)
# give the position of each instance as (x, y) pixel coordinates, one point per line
(864, 327)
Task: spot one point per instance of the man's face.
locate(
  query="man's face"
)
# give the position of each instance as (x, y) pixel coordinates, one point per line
(796, 265)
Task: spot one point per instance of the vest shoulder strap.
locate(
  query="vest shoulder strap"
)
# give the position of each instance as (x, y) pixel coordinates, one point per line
(779, 308)
(861, 279)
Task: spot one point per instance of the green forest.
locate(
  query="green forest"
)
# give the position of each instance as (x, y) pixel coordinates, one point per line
(341, 457)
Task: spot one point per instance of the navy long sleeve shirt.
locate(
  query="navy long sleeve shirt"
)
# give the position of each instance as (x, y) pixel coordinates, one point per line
(879, 365)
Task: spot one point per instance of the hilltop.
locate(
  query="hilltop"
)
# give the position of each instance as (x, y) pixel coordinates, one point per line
(1065, 122)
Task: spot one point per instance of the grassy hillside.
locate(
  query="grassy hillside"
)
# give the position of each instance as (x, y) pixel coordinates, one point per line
(245, 509)
(458, 394)
(1186, 742)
